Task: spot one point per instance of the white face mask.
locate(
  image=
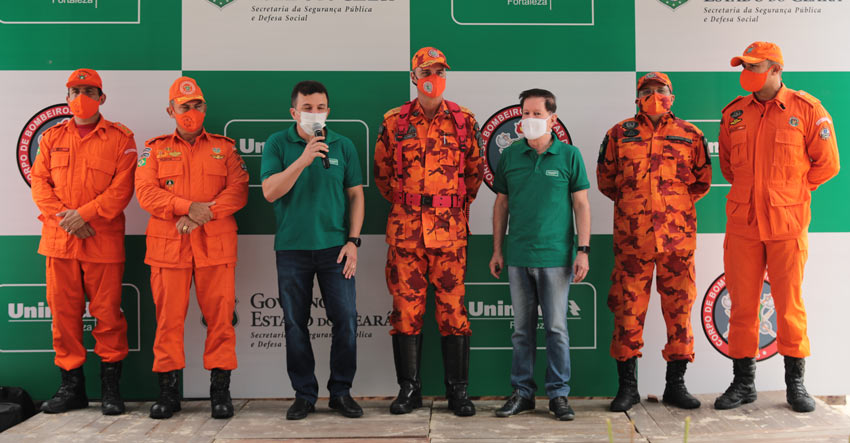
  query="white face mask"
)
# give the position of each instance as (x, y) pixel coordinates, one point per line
(533, 128)
(310, 119)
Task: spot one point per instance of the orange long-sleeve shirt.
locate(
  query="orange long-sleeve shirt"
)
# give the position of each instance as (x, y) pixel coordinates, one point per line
(774, 154)
(431, 162)
(171, 175)
(655, 175)
(92, 174)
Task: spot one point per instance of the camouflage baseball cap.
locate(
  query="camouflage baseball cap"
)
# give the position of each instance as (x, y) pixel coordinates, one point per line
(428, 56)
(659, 77)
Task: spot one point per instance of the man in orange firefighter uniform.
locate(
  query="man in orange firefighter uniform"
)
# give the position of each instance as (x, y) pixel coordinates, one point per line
(654, 167)
(81, 182)
(192, 182)
(428, 164)
(777, 145)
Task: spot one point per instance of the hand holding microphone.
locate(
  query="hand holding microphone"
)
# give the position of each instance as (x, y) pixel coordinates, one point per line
(318, 132)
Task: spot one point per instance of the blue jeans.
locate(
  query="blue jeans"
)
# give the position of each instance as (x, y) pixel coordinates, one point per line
(549, 288)
(295, 271)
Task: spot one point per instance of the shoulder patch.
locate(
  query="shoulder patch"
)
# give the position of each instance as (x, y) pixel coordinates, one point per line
(123, 129)
(629, 124)
(156, 139)
(56, 128)
(808, 98)
(602, 149)
(221, 137)
(392, 112)
(732, 103)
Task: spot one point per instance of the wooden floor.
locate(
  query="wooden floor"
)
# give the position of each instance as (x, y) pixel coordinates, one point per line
(768, 419)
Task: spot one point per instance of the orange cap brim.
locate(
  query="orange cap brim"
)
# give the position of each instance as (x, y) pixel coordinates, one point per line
(431, 62)
(187, 98)
(82, 83)
(745, 59)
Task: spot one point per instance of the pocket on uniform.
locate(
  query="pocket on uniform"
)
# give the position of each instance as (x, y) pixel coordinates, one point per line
(59, 168)
(100, 173)
(739, 156)
(445, 224)
(789, 148)
(215, 177)
(162, 249)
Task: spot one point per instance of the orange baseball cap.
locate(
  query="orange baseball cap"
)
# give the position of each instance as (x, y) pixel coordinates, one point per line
(759, 52)
(185, 89)
(428, 56)
(659, 77)
(86, 77)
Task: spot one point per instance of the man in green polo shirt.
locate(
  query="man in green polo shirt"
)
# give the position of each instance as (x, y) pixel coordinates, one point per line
(540, 182)
(313, 181)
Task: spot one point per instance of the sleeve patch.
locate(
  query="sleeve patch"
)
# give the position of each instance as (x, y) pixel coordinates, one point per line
(602, 148)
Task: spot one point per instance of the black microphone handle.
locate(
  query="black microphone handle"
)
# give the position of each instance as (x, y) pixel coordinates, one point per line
(326, 162)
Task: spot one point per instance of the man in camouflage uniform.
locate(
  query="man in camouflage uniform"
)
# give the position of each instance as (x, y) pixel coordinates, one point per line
(427, 163)
(654, 167)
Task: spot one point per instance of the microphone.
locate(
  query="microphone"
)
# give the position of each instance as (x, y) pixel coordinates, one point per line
(317, 132)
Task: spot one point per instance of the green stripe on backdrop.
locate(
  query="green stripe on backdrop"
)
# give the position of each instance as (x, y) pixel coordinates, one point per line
(126, 35)
(701, 96)
(487, 35)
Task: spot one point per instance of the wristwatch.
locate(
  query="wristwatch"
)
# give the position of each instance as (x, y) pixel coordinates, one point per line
(585, 249)
(355, 240)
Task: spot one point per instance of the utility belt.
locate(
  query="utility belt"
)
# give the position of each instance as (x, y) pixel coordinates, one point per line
(431, 201)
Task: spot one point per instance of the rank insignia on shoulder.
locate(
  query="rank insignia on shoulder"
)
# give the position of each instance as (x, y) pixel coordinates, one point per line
(736, 114)
(631, 124)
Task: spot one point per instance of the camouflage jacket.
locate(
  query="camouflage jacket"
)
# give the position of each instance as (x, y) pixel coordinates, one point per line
(431, 157)
(655, 175)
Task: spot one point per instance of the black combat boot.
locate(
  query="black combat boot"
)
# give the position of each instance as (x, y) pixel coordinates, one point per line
(675, 392)
(110, 377)
(456, 366)
(795, 392)
(407, 353)
(627, 393)
(220, 401)
(71, 393)
(743, 387)
(169, 396)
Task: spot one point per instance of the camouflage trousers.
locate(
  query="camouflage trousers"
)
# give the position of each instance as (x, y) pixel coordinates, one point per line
(629, 298)
(408, 272)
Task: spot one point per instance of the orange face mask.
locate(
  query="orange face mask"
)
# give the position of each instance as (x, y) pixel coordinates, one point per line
(190, 121)
(655, 103)
(84, 106)
(432, 86)
(753, 81)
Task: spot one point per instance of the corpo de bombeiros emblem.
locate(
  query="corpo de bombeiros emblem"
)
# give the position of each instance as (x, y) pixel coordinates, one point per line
(673, 4)
(500, 131)
(28, 141)
(716, 308)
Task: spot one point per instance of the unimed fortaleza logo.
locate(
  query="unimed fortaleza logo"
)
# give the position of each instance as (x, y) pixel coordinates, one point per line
(28, 142)
(502, 310)
(716, 307)
(500, 131)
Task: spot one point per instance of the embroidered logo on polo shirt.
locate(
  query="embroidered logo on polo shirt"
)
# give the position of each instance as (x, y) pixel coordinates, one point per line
(333, 161)
(552, 173)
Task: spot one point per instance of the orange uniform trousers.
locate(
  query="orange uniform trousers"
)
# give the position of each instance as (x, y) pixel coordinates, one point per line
(408, 273)
(629, 299)
(69, 281)
(215, 290)
(745, 260)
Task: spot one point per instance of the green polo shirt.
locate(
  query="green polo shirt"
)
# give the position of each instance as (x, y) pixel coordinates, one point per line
(313, 214)
(540, 209)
